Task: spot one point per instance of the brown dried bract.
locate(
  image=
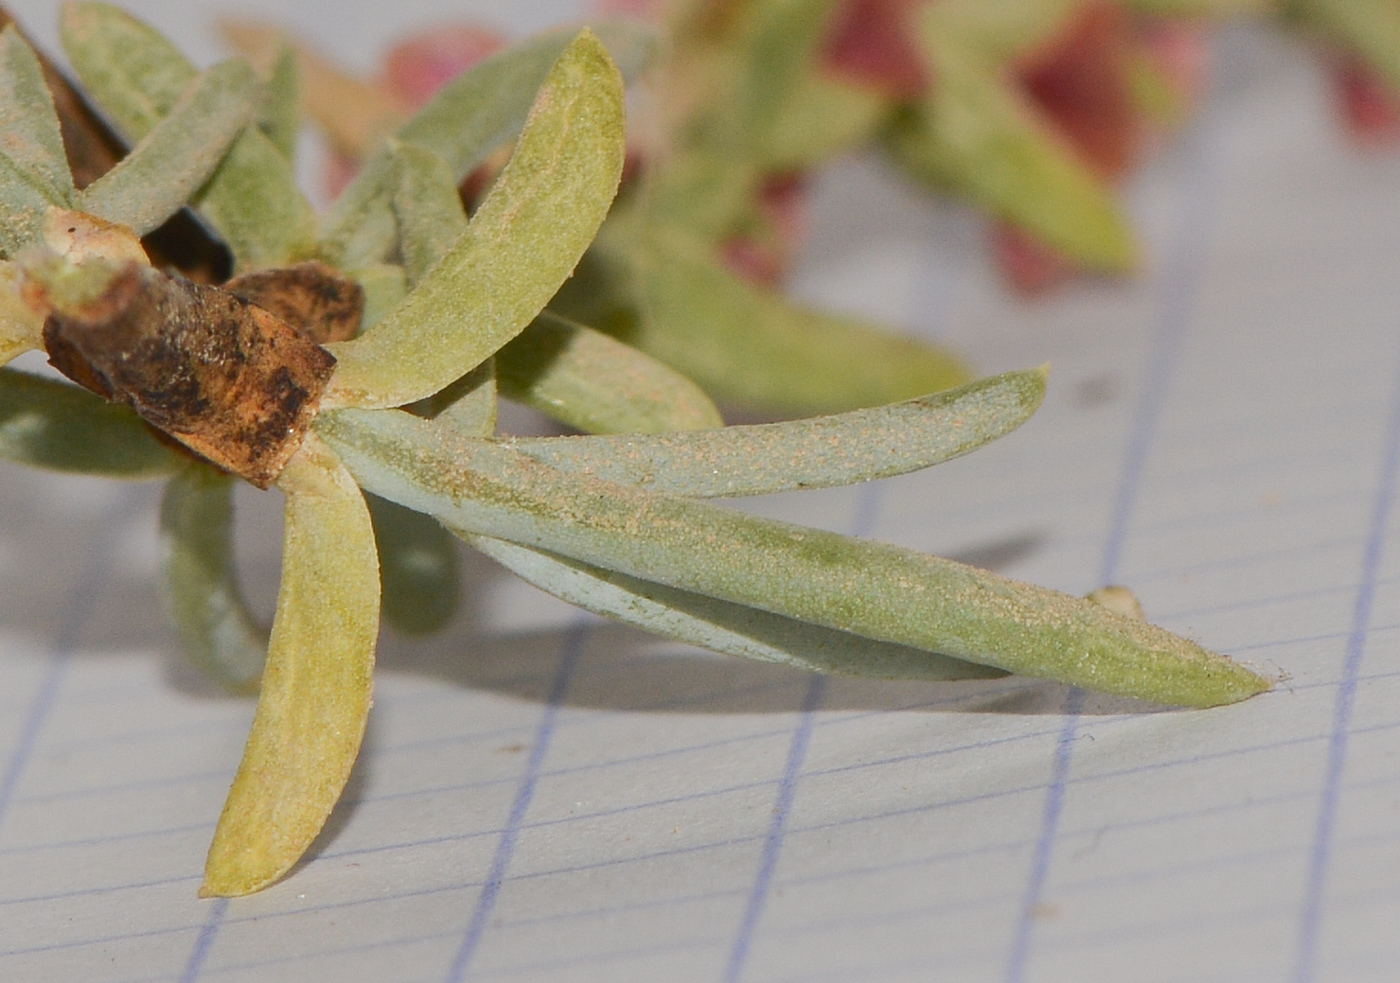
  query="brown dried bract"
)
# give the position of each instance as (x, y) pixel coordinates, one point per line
(222, 376)
(311, 297)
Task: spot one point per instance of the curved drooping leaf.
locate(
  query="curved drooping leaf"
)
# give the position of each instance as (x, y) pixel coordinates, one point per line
(596, 384)
(815, 453)
(486, 105)
(136, 76)
(722, 626)
(54, 425)
(199, 582)
(867, 588)
(521, 244)
(33, 169)
(178, 155)
(469, 117)
(316, 686)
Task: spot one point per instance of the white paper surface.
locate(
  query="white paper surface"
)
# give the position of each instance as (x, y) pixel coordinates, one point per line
(547, 797)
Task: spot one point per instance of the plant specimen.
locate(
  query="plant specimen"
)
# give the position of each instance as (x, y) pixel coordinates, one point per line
(267, 377)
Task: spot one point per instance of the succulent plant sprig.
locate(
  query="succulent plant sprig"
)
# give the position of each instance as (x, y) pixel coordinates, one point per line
(268, 378)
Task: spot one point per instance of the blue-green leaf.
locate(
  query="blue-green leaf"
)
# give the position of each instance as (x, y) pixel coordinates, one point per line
(179, 154)
(199, 582)
(813, 453)
(54, 425)
(33, 169)
(722, 626)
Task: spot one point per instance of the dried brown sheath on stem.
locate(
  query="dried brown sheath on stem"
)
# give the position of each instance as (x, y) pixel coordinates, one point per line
(311, 297)
(222, 376)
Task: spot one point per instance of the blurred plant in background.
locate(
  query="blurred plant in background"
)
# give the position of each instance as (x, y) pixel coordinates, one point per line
(1035, 112)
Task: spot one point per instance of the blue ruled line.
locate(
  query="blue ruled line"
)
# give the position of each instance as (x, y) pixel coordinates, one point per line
(867, 511)
(79, 608)
(773, 843)
(1045, 842)
(505, 847)
(76, 613)
(204, 941)
(1310, 920)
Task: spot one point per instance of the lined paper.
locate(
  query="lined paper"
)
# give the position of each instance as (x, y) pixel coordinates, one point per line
(548, 797)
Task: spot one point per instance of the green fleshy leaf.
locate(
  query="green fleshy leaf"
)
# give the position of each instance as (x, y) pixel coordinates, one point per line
(179, 154)
(199, 582)
(973, 135)
(54, 425)
(33, 169)
(22, 209)
(469, 117)
(32, 141)
(773, 59)
(136, 76)
(133, 73)
(21, 330)
(315, 694)
(427, 207)
(597, 384)
(385, 286)
(721, 626)
(706, 194)
(468, 405)
(813, 453)
(864, 587)
(752, 346)
(521, 244)
(418, 568)
(279, 117)
(1368, 28)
